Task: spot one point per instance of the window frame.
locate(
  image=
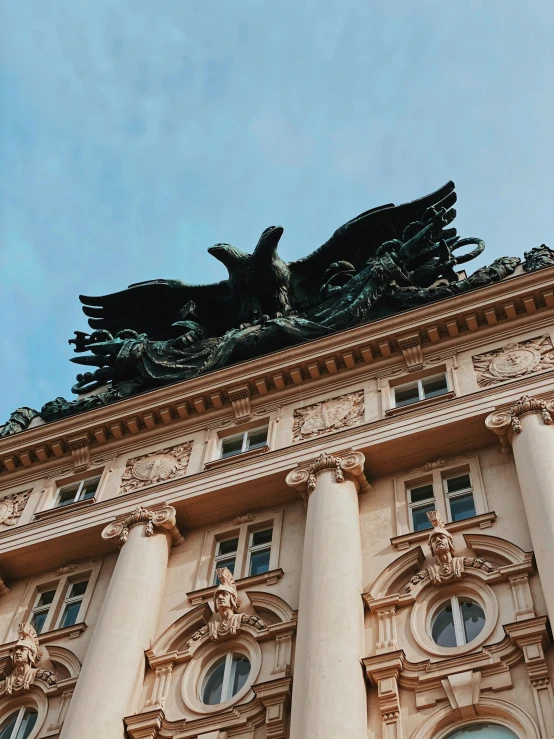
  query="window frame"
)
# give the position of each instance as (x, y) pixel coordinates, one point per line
(458, 622)
(458, 493)
(254, 548)
(77, 497)
(241, 527)
(39, 610)
(245, 436)
(228, 675)
(70, 600)
(419, 384)
(437, 473)
(219, 558)
(60, 581)
(21, 710)
(420, 504)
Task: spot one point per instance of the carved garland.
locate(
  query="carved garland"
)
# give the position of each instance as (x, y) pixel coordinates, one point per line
(525, 405)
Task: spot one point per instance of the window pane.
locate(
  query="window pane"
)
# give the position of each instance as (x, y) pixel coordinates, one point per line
(78, 588)
(443, 628)
(241, 672)
(462, 507)
(229, 546)
(483, 731)
(89, 488)
(262, 537)
(70, 614)
(473, 618)
(435, 386)
(37, 621)
(257, 438)
(455, 484)
(259, 562)
(419, 517)
(46, 598)
(423, 492)
(231, 446)
(7, 726)
(67, 496)
(28, 723)
(406, 395)
(211, 695)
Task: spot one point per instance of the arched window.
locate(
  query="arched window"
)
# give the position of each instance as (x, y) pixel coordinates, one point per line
(19, 724)
(457, 623)
(224, 679)
(483, 731)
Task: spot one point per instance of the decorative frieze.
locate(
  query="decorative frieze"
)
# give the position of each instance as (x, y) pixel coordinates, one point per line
(514, 360)
(161, 517)
(328, 415)
(156, 467)
(11, 507)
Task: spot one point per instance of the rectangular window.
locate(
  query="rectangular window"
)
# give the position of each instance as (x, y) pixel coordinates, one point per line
(245, 442)
(259, 551)
(421, 501)
(225, 556)
(72, 603)
(459, 493)
(77, 491)
(41, 608)
(413, 392)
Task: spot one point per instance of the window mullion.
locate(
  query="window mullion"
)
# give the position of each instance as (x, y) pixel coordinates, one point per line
(244, 441)
(420, 390)
(458, 624)
(226, 677)
(18, 722)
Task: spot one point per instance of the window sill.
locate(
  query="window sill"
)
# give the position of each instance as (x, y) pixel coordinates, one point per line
(419, 404)
(216, 463)
(405, 541)
(203, 595)
(60, 510)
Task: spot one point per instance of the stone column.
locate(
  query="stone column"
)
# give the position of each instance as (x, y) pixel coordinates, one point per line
(329, 696)
(528, 427)
(113, 669)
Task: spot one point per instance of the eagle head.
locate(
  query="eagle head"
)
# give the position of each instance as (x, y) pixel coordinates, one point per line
(229, 255)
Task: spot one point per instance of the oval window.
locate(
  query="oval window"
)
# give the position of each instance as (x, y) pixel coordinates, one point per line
(224, 679)
(483, 731)
(19, 724)
(457, 623)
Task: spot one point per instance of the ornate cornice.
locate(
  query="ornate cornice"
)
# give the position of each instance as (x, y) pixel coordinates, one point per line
(162, 517)
(304, 479)
(506, 423)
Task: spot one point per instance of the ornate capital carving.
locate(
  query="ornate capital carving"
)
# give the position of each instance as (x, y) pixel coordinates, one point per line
(506, 423)
(162, 517)
(304, 479)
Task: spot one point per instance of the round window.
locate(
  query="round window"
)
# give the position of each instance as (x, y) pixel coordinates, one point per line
(483, 731)
(224, 679)
(19, 724)
(457, 623)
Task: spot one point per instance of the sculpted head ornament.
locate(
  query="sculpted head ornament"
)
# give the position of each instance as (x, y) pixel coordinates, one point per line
(27, 649)
(440, 539)
(226, 586)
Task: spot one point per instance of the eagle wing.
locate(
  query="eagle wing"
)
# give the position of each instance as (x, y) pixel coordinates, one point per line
(152, 307)
(359, 239)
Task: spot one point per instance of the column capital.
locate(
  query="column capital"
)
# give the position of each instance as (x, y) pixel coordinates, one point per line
(162, 517)
(304, 478)
(506, 423)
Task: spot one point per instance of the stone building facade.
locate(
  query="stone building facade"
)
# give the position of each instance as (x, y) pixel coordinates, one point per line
(349, 538)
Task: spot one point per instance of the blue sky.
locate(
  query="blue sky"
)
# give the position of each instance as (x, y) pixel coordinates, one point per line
(135, 134)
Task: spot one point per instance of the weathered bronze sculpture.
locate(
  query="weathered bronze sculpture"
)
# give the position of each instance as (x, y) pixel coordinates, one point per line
(386, 260)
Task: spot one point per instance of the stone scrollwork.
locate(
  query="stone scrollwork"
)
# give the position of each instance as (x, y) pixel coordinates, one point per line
(328, 415)
(21, 670)
(163, 517)
(447, 566)
(151, 469)
(506, 423)
(529, 405)
(514, 360)
(11, 507)
(304, 479)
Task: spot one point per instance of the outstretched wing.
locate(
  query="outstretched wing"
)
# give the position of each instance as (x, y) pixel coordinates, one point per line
(359, 239)
(151, 307)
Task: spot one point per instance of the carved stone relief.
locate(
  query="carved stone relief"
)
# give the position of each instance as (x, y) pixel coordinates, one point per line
(150, 469)
(514, 360)
(11, 507)
(328, 415)
(21, 670)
